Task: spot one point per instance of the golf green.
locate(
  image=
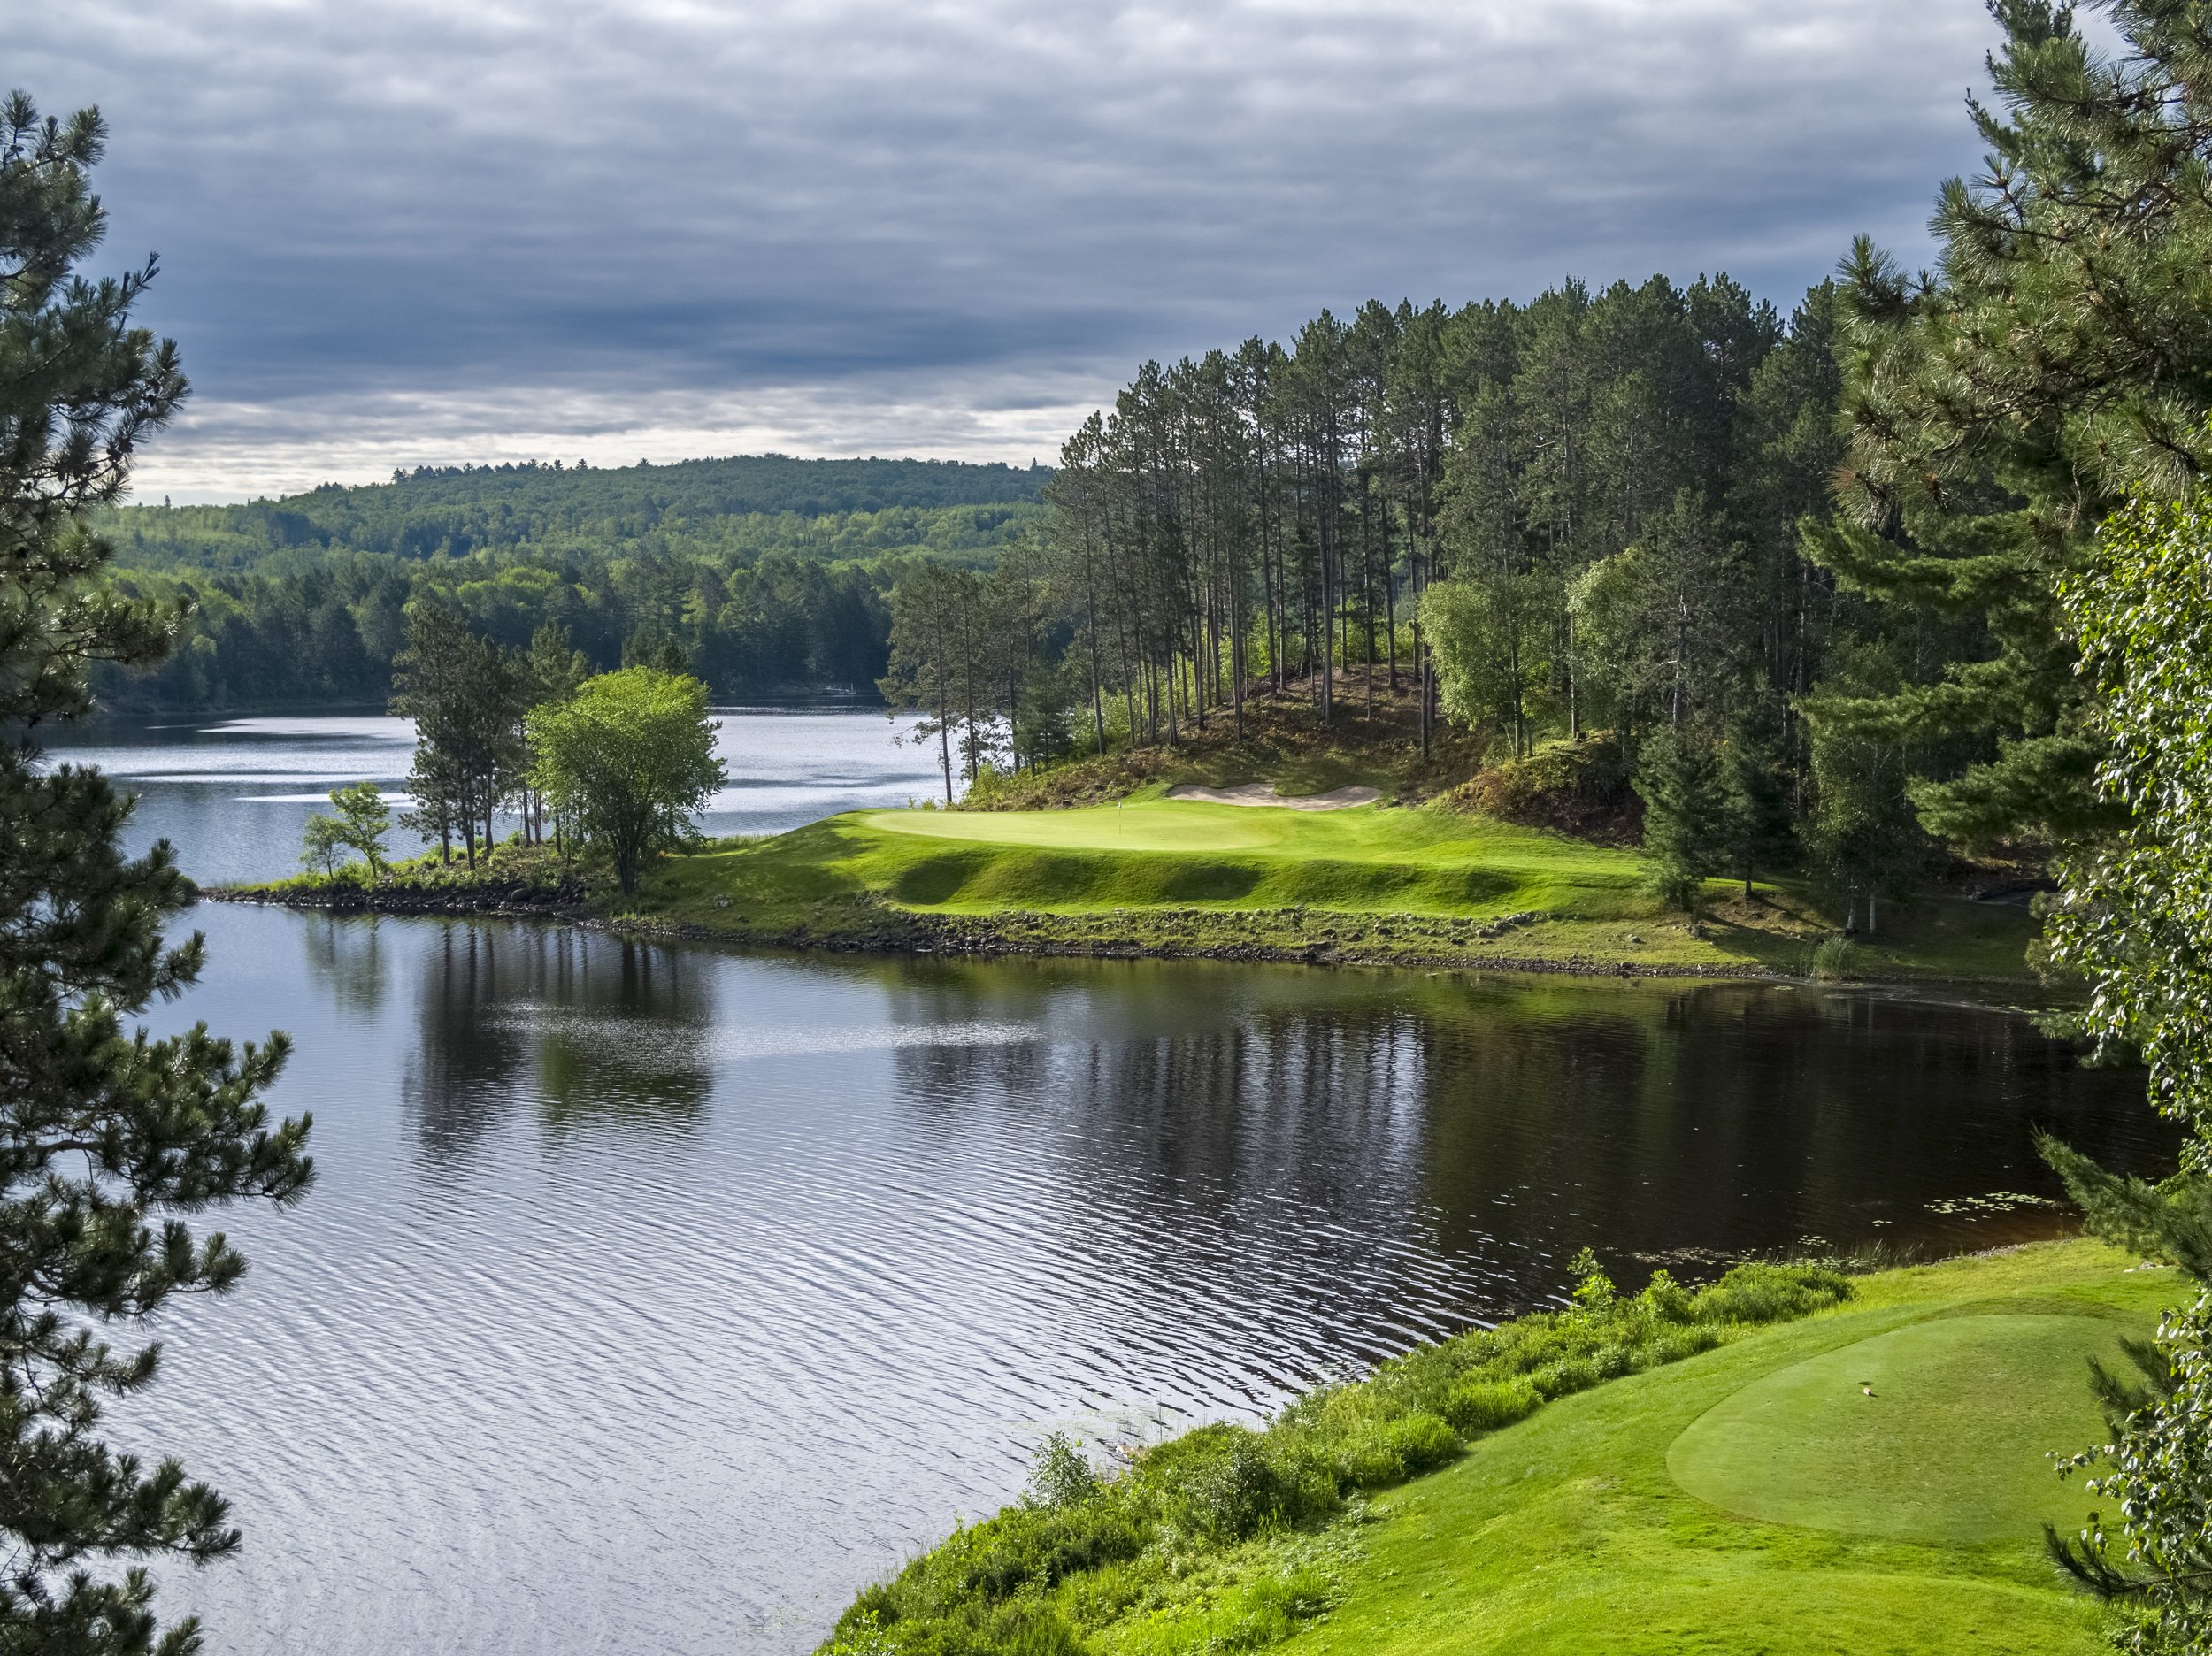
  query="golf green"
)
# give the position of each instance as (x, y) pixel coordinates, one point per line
(1148, 826)
(1952, 1446)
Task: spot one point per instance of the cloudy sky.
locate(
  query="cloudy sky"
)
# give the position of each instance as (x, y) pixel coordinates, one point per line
(397, 232)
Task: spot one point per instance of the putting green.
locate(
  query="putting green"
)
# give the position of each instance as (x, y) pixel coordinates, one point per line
(1952, 1446)
(1149, 827)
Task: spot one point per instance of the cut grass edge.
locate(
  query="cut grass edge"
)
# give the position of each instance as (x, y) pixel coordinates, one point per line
(1054, 1577)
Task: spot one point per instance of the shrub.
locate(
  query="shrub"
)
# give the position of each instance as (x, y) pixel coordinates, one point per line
(1420, 1442)
(1480, 1406)
(1579, 787)
(983, 1592)
(1383, 1452)
(1771, 1293)
(1833, 959)
(1563, 1379)
(1031, 1546)
(1216, 1481)
(1666, 1299)
(1062, 1476)
(1677, 1344)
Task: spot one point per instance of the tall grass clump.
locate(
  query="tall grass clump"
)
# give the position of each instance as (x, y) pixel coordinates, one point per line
(1833, 959)
(1208, 1512)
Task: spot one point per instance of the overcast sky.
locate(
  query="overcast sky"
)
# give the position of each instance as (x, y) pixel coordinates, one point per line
(397, 232)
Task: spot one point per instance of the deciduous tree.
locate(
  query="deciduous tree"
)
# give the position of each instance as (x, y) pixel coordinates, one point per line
(630, 760)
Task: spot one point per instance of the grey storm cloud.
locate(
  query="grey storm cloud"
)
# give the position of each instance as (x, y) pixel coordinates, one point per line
(397, 232)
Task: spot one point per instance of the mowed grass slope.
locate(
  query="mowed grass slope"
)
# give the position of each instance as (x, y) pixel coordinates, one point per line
(1377, 883)
(1755, 1501)
(1867, 1479)
(1154, 850)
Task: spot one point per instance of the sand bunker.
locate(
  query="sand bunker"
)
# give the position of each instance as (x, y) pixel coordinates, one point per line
(1264, 793)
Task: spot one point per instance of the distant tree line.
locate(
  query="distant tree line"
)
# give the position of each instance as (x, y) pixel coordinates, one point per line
(308, 629)
(455, 510)
(770, 574)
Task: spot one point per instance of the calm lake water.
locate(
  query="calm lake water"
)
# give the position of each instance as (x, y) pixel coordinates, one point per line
(232, 794)
(654, 1298)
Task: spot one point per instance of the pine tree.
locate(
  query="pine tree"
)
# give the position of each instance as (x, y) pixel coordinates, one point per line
(1754, 790)
(108, 1138)
(1686, 816)
(467, 700)
(2060, 355)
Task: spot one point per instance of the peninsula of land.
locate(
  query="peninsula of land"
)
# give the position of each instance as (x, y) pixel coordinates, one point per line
(1352, 849)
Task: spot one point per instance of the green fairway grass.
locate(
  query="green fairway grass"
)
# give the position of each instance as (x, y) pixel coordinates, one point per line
(1744, 1499)
(1719, 1505)
(1155, 825)
(1379, 883)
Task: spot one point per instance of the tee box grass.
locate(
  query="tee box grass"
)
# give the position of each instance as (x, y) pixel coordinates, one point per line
(1756, 1499)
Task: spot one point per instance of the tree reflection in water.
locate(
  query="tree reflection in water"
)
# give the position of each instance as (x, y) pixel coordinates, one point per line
(585, 1030)
(1483, 1130)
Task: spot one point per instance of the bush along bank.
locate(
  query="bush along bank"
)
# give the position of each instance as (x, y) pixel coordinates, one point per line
(1222, 1539)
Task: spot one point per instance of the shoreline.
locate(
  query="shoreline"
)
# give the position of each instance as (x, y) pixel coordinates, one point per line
(988, 937)
(1716, 1463)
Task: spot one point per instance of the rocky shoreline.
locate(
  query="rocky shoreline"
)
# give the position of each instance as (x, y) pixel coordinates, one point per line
(967, 935)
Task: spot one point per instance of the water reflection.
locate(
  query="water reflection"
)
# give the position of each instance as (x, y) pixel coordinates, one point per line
(654, 1298)
(583, 1029)
(345, 958)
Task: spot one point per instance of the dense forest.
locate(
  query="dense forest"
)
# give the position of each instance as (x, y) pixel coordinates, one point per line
(1595, 517)
(1799, 582)
(766, 574)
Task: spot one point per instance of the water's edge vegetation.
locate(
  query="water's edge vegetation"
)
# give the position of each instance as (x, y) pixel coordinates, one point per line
(1081, 1552)
(1229, 1538)
(1146, 876)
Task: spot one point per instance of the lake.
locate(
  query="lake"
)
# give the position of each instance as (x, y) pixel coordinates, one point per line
(232, 794)
(654, 1298)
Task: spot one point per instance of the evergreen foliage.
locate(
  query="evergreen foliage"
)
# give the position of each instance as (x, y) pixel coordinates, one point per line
(109, 1139)
(2059, 354)
(1686, 816)
(467, 698)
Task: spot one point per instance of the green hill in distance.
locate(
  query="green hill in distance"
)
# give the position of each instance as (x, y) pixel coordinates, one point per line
(770, 574)
(455, 511)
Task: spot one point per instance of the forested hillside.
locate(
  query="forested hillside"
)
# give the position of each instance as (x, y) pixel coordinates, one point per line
(766, 573)
(1593, 512)
(1664, 514)
(837, 509)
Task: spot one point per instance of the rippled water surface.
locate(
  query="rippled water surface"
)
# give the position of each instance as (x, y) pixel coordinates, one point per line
(654, 1298)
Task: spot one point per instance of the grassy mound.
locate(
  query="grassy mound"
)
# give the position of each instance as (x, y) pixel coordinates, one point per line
(1949, 1446)
(1552, 1519)
(1570, 1533)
